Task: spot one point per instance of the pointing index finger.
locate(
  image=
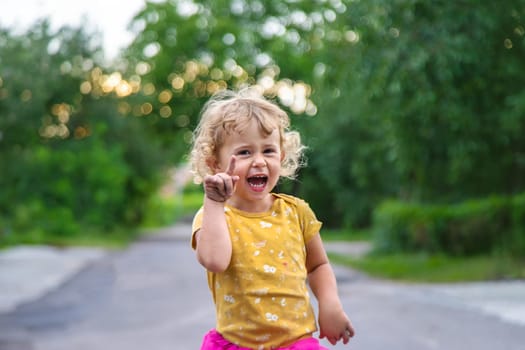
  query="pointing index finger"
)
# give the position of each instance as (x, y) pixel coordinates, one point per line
(231, 166)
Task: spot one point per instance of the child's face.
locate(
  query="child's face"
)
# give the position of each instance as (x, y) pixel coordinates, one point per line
(257, 163)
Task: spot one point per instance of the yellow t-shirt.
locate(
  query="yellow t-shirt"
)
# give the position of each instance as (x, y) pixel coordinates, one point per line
(262, 300)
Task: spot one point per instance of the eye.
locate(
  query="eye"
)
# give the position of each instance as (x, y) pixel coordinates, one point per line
(270, 150)
(243, 152)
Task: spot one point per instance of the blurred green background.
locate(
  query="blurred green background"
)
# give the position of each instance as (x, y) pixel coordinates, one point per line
(413, 111)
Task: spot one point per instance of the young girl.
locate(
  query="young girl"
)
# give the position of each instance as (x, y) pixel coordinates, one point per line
(259, 248)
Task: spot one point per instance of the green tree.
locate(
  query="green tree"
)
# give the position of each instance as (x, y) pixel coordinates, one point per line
(412, 99)
(68, 159)
(425, 103)
(185, 51)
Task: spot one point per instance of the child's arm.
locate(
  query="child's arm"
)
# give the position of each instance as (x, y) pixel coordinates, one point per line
(334, 324)
(214, 247)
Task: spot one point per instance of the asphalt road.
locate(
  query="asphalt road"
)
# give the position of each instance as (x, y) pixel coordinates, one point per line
(153, 296)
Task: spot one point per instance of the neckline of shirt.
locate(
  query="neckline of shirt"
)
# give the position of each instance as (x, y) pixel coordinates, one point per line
(250, 214)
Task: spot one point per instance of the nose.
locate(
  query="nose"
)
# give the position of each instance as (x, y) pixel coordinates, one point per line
(258, 160)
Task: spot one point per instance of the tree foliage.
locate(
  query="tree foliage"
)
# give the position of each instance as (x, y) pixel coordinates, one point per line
(68, 159)
(427, 105)
(409, 99)
(188, 50)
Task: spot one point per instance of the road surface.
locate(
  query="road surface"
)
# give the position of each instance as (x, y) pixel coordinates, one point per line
(153, 296)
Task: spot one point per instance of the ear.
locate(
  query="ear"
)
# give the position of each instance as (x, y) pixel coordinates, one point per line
(283, 154)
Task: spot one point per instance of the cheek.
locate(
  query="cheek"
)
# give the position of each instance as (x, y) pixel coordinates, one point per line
(276, 164)
(242, 166)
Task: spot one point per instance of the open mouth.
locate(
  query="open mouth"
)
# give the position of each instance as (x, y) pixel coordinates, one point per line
(257, 182)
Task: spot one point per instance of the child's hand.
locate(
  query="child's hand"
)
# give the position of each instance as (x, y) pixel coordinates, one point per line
(220, 187)
(335, 325)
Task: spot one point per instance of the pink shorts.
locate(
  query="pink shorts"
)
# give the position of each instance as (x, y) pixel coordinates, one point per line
(213, 340)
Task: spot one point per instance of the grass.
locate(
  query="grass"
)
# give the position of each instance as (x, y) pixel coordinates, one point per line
(436, 268)
(114, 239)
(345, 235)
(423, 267)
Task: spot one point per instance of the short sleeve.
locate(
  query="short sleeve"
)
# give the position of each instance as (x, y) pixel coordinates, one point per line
(310, 225)
(196, 226)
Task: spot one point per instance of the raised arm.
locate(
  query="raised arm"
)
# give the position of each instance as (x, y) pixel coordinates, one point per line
(334, 324)
(214, 247)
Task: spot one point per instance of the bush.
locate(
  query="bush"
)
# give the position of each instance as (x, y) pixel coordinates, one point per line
(468, 228)
(518, 225)
(67, 188)
(63, 189)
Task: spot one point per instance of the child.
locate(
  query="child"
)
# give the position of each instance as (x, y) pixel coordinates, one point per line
(258, 247)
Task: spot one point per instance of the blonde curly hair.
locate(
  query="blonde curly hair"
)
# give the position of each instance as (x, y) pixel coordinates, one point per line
(229, 111)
